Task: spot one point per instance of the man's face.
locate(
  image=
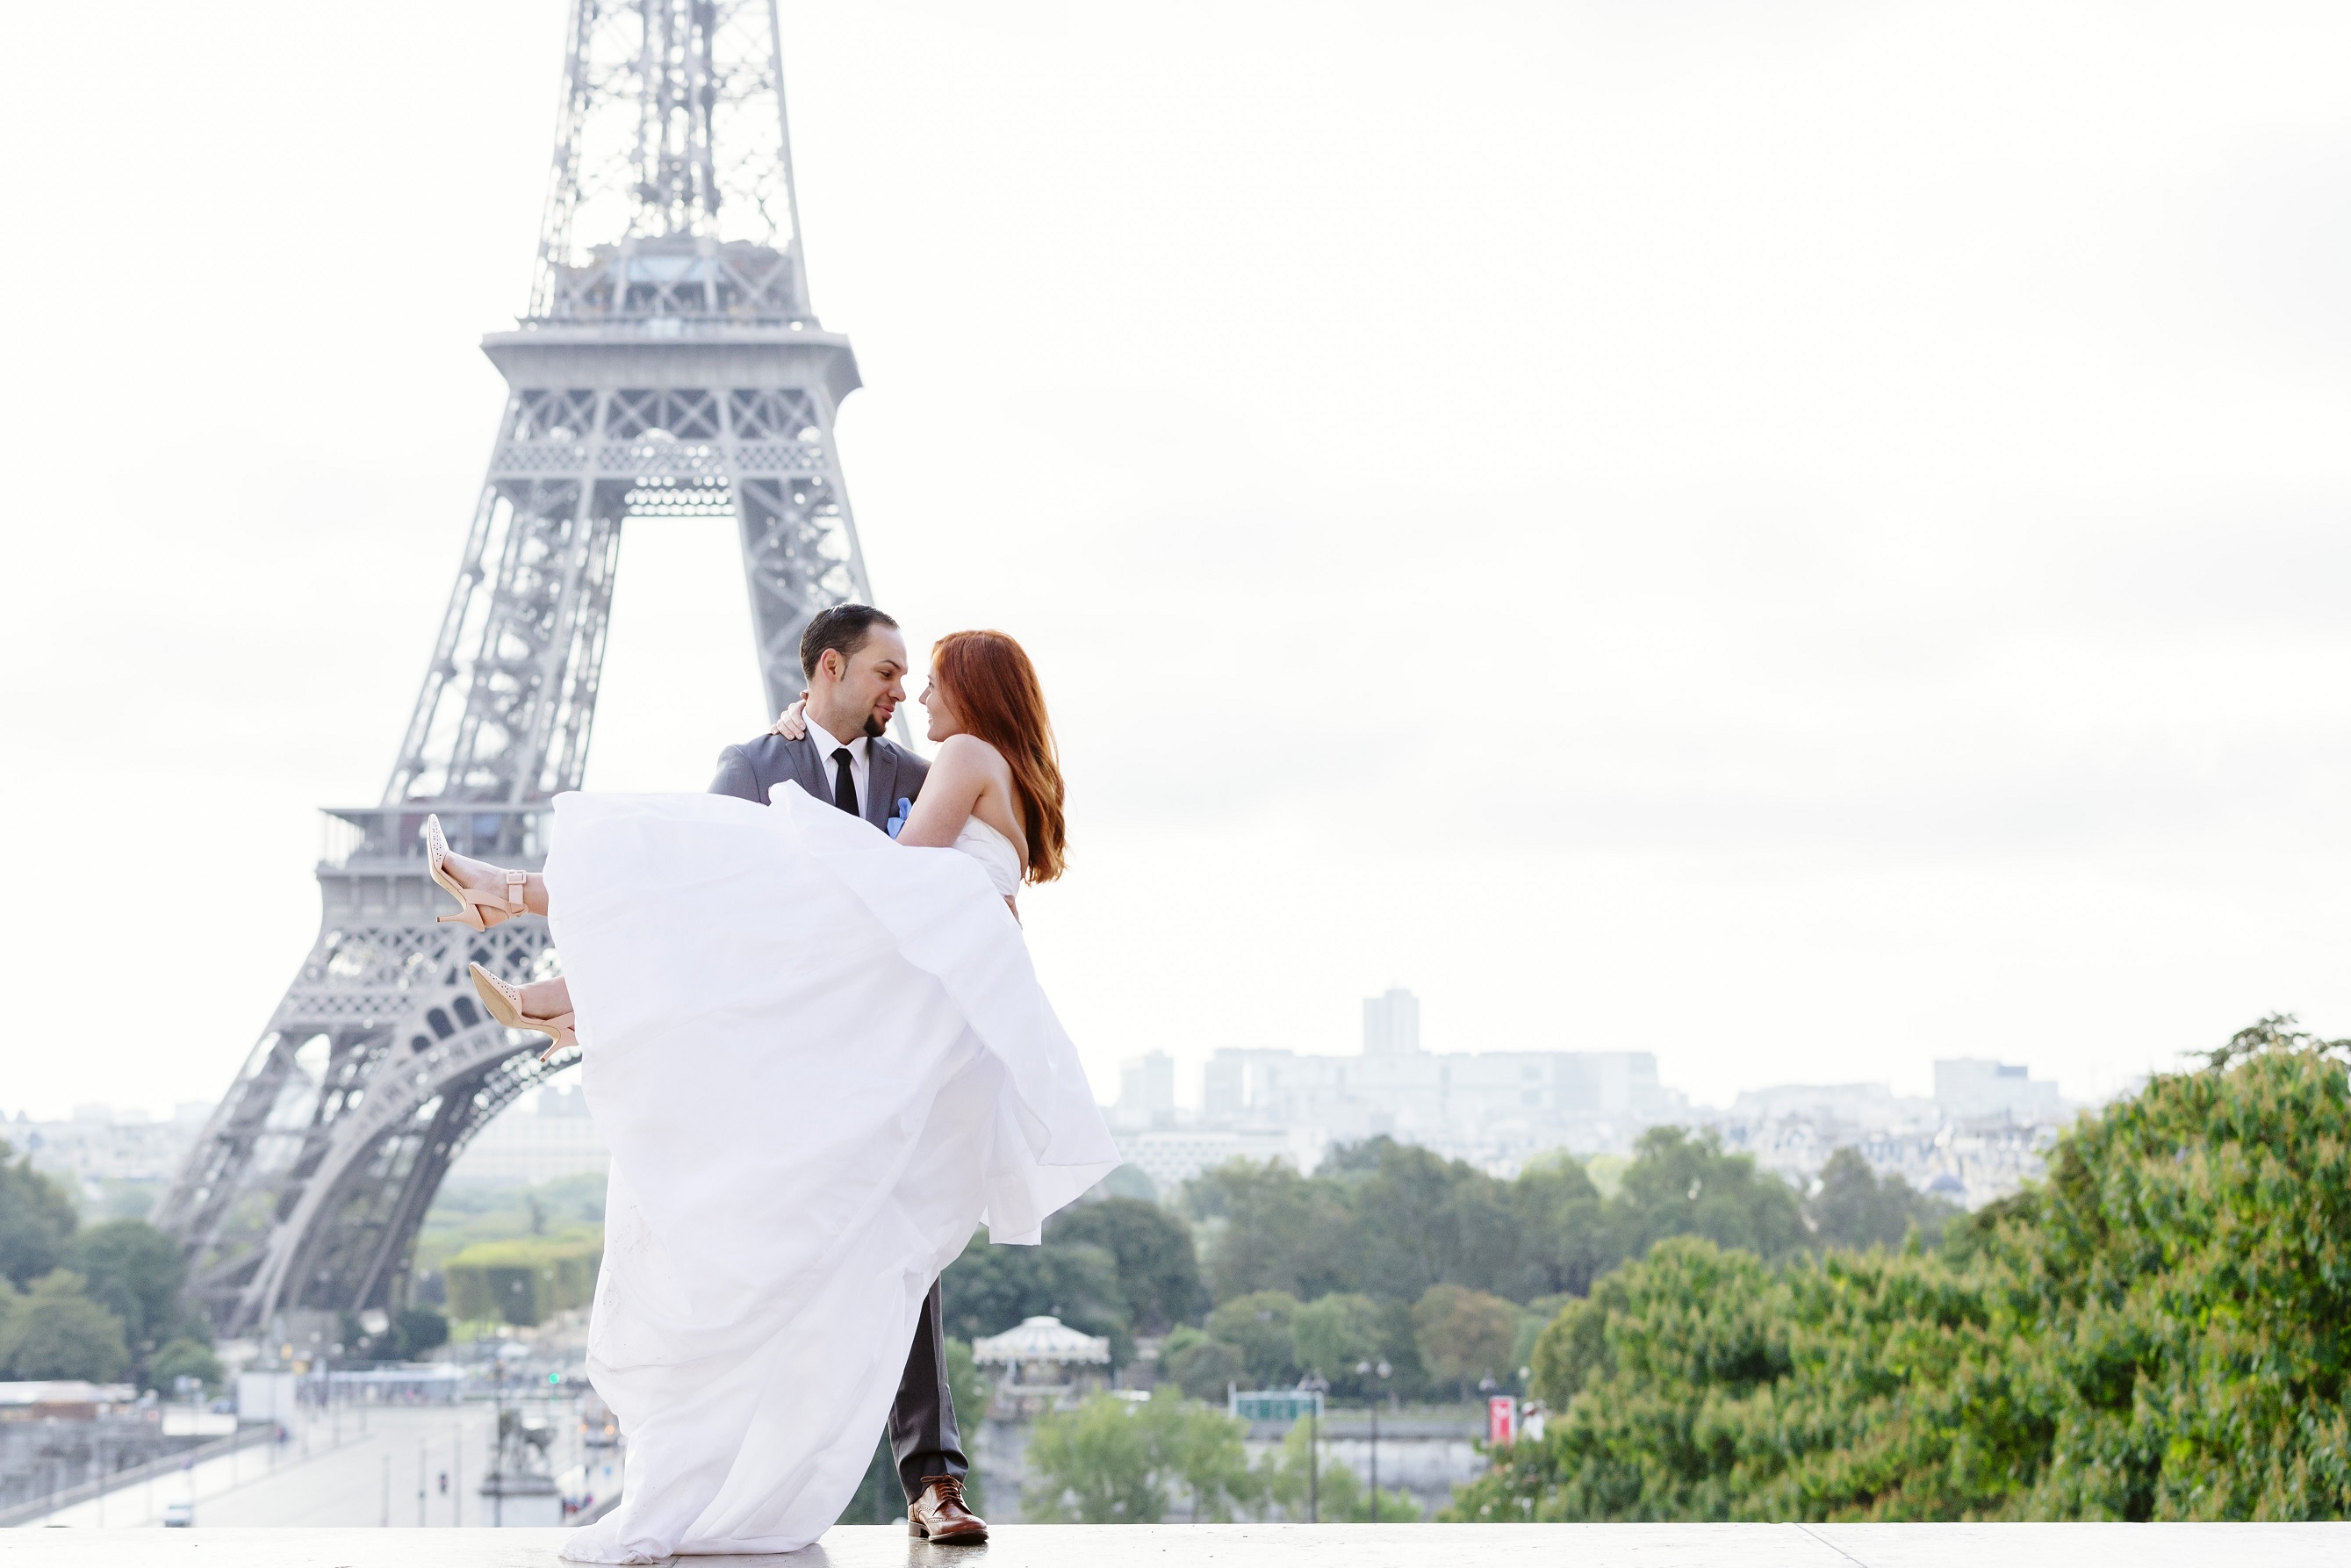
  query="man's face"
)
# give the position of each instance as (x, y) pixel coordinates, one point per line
(870, 685)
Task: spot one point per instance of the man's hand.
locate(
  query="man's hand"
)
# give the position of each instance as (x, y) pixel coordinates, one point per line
(789, 723)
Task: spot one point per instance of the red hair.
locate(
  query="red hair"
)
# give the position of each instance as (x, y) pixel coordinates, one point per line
(993, 689)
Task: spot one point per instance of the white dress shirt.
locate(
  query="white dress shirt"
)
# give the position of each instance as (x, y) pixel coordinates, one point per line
(860, 769)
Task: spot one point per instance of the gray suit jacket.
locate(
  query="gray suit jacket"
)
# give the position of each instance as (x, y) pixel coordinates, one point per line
(750, 770)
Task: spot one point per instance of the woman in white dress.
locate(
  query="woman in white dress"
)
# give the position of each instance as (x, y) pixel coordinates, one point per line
(821, 1059)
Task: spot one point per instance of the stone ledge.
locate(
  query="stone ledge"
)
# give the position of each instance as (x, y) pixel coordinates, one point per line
(1263, 1546)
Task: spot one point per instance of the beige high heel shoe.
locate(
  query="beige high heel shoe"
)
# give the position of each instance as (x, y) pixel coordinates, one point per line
(482, 910)
(505, 1003)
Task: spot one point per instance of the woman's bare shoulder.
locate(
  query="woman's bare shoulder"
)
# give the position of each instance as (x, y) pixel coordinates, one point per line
(970, 752)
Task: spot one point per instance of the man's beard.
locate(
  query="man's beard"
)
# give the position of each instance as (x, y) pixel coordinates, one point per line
(873, 728)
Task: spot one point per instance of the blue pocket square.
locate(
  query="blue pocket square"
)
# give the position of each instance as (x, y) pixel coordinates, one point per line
(906, 810)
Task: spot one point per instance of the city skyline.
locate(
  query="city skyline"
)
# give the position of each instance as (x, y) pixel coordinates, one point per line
(1187, 1077)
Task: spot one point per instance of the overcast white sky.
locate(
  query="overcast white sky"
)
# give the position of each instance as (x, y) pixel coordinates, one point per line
(1802, 538)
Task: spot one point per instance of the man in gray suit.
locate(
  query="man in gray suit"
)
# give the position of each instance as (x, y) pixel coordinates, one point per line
(855, 660)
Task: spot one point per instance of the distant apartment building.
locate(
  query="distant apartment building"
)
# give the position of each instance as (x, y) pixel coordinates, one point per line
(1981, 1136)
(1478, 1105)
(1171, 1156)
(100, 1143)
(1146, 1092)
(1392, 1024)
(1493, 1108)
(1968, 1088)
(1854, 1104)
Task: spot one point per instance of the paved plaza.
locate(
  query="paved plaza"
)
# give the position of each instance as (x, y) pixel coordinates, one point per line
(1266, 1546)
(332, 1473)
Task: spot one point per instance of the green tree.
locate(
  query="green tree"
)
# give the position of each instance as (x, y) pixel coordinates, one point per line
(1681, 1185)
(1116, 1461)
(1208, 1457)
(1420, 1220)
(1271, 1228)
(1564, 1239)
(1336, 1332)
(880, 1496)
(420, 1332)
(135, 1271)
(1387, 1220)
(1095, 1465)
(1159, 1272)
(36, 1220)
(1259, 1326)
(1338, 1495)
(1535, 1317)
(990, 1288)
(183, 1358)
(59, 1331)
(1201, 1366)
(1855, 1208)
(1464, 1335)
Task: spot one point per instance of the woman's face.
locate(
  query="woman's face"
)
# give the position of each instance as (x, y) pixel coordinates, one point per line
(944, 721)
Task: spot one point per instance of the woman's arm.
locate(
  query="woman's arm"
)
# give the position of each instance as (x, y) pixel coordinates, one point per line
(950, 790)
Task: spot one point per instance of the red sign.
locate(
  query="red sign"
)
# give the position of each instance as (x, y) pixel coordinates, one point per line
(1502, 1420)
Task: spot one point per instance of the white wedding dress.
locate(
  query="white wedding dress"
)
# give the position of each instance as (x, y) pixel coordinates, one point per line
(821, 1059)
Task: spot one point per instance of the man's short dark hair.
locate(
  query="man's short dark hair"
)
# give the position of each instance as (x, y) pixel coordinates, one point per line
(844, 627)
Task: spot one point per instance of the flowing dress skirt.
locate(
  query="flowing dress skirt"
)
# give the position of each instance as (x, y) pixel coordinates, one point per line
(821, 1060)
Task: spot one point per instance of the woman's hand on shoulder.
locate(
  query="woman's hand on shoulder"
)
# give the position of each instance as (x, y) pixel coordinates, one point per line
(789, 723)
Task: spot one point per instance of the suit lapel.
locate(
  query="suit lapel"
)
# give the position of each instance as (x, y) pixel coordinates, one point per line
(808, 772)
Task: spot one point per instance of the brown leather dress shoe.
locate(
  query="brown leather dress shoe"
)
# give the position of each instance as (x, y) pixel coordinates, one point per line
(939, 1513)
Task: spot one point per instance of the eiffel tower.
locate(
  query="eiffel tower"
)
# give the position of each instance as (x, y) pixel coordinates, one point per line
(670, 366)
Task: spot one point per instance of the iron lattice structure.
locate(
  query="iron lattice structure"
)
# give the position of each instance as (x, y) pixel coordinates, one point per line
(670, 366)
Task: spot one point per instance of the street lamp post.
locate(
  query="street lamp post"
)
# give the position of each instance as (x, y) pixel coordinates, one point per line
(1365, 1369)
(1314, 1384)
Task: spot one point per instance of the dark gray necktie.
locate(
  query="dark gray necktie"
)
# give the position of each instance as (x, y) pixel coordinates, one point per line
(845, 787)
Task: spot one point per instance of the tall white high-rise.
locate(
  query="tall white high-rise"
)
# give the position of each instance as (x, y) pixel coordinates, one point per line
(1391, 1023)
(1146, 1089)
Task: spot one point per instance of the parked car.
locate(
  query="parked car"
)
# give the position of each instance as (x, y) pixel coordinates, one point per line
(179, 1515)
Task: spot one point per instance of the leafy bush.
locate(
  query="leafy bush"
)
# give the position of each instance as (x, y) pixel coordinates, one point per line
(522, 1281)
